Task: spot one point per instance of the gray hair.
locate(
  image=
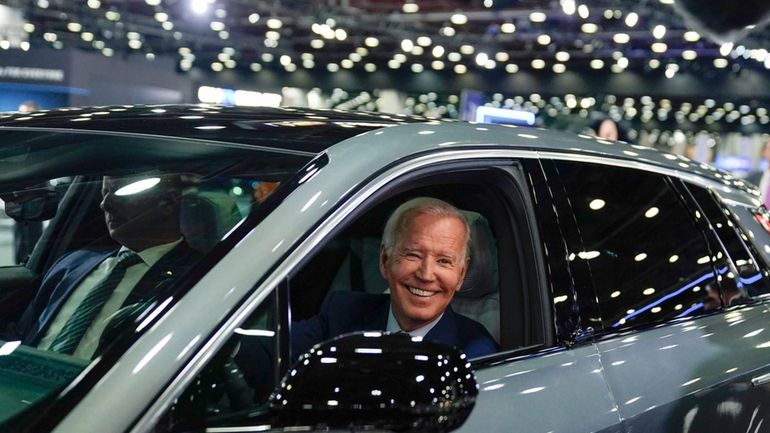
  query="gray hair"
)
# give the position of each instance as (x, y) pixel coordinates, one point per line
(421, 205)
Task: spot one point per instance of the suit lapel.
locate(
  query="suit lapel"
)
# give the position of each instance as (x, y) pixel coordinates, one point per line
(375, 317)
(445, 331)
(64, 289)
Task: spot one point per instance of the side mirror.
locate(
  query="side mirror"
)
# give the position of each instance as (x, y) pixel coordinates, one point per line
(32, 205)
(375, 381)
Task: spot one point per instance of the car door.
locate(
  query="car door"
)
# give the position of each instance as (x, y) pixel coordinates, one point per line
(675, 359)
(544, 366)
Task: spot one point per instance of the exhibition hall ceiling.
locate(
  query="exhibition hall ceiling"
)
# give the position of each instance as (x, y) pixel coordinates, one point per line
(453, 36)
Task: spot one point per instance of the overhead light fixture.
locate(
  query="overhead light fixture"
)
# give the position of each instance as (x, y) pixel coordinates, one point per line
(507, 28)
(589, 28)
(597, 64)
(583, 11)
(410, 7)
(562, 56)
(632, 19)
(371, 41)
(621, 38)
(659, 31)
(458, 19)
(543, 39)
(659, 47)
(691, 36)
(200, 6)
(537, 17)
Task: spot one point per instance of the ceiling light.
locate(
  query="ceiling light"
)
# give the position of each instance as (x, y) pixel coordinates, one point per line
(689, 54)
(589, 28)
(217, 26)
(511, 68)
(332, 67)
(458, 19)
(361, 51)
(659, 31)
(720, 63)
(437, 65)
(74, 27)
(632, 19)
(272, 34)
(537, 17)
(94, 4)
(135, 44)
(407, 45)
(543, 39)
(167, 25)
(253, 18)
(347, 63)
(507, 27)
(200, 6)
(559, 68)
(659, 47)
(654, 63)
(568, 6)
(502, 56)
(490, 64)
(623, 62)
(621, 38)
(417, 68)
(370, 67)
(438, 51)
(691, 36)
(410, 8)
(538, 64)
(87, 36)
(317, 44)
(354, 57)
(424, 41)
(417, 50)
(562, 56)
(112, 15)
(467, 49)
(267, 57)
(371, 41)
(583, 11)
(454, 56)
(394, 64)
(448, 31)
(340, 34)
(726, 48)
(399, 58)
(481, 59)
(216, 66)
(274, 23)
(460, 69)
(597, 63)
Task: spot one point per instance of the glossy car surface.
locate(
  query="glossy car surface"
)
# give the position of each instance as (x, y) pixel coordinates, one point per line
(626, 287)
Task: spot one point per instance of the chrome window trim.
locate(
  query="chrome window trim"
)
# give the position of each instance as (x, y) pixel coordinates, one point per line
(146, 422)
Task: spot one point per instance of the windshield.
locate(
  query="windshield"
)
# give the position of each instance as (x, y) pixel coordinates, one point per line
(96, 228)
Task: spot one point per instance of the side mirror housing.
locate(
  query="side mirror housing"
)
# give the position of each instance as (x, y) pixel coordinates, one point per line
(377, 381)
(33, 205)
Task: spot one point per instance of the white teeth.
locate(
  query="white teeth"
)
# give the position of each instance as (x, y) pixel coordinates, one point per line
(418, 292)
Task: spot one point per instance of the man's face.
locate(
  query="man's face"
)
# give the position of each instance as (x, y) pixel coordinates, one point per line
(425, 268)
(132, 218)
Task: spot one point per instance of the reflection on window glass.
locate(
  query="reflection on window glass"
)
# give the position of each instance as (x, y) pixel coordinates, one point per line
(648, 261)
(122, 225)
(748, 281)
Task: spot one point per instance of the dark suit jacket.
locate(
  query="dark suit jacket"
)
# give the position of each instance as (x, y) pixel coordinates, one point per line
(67, 273)
(344, 312)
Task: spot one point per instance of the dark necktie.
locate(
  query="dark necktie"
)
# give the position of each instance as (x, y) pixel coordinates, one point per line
(77, 325)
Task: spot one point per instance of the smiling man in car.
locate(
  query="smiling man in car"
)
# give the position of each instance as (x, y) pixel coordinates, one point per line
(423, 258)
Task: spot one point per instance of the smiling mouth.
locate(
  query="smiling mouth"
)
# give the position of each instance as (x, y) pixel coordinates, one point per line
(421, 293)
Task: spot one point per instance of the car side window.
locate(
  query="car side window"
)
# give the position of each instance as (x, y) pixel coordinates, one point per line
(238, 379)
(748, 282)
(347, 271)
(648, 261)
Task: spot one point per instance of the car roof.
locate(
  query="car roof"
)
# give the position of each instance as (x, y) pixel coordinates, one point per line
(312, 131)
(295, 129)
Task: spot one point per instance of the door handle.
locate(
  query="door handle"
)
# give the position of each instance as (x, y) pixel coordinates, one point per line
(760, 380)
